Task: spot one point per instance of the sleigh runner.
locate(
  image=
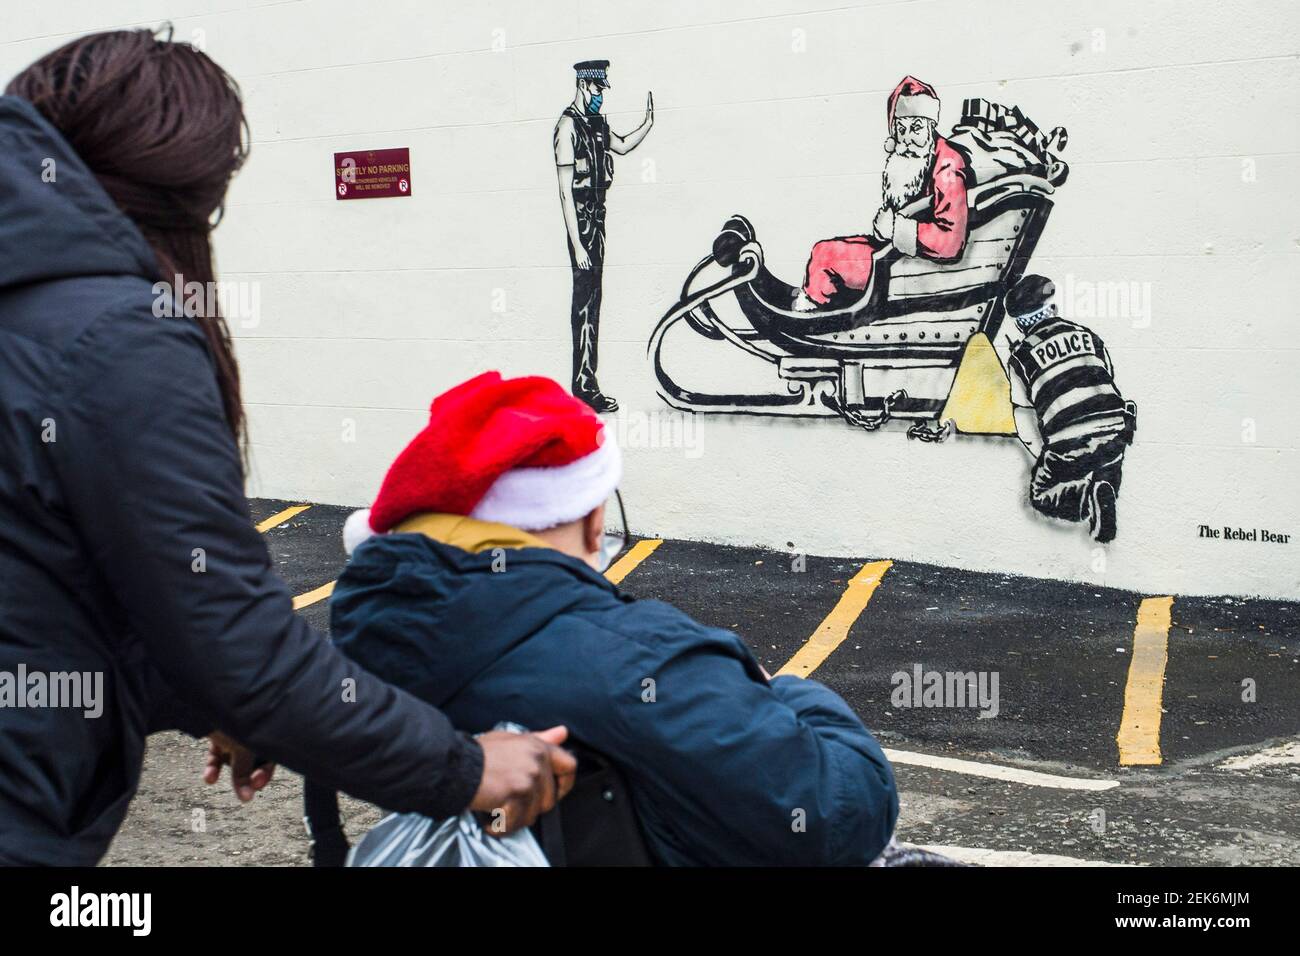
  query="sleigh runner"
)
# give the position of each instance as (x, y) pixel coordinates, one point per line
(917, 344)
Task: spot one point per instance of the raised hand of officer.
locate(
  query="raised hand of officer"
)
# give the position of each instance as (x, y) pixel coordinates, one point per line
(649, 111)
(524, 775)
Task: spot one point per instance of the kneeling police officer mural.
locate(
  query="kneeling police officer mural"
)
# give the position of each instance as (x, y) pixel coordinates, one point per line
(583, 143)
(1068, 411)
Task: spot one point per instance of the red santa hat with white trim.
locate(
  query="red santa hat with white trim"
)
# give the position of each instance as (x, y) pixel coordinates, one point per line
(519, 451)
(911, 97)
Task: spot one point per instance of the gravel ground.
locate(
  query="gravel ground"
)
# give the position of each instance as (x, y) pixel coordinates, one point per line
(177, 820)
(1199, 814)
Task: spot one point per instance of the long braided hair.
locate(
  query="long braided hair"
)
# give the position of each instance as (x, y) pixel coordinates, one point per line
(162, 128)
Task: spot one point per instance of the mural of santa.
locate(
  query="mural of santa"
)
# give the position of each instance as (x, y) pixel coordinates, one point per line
(921, 164)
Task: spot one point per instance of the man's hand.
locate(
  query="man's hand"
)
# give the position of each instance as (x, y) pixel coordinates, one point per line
(524, 775)
(583, 260)
(883, 227)
(649, 111)
(246, 777)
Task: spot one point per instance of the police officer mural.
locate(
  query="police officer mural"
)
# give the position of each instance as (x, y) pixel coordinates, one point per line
(583, 145)
(1068, 412)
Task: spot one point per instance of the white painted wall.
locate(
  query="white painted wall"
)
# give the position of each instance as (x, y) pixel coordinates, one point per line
(369, 308)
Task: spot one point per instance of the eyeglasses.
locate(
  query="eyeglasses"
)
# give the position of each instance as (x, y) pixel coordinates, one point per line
(613, 542)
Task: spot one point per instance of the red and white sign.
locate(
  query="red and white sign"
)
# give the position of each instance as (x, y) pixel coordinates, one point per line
(372, 173)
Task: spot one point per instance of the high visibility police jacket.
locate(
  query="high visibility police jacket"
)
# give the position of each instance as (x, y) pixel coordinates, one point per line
(593, 161)
(1066, 374)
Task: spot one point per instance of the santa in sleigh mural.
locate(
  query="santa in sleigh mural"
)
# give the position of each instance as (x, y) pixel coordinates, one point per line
(905, 322)
(901, 322)
(920, 164)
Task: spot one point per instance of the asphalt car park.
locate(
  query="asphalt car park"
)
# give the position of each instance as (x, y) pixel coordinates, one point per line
(1029, 767)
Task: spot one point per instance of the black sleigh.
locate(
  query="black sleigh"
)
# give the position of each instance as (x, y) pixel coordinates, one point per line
(895, 351)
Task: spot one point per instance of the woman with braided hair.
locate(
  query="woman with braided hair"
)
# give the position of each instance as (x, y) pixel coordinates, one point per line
(129, 568)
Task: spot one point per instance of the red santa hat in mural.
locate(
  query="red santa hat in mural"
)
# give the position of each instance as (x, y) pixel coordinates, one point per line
(911, 97)
(520, 451)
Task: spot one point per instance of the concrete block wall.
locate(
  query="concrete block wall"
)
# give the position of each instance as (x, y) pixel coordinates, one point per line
(1182, 138)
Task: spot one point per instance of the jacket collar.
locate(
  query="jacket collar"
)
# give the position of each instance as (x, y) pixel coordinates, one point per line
(468, 534)
(474, 536)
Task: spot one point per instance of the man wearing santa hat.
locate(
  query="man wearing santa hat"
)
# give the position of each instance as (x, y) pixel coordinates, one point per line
(920, 164)
(475, 583)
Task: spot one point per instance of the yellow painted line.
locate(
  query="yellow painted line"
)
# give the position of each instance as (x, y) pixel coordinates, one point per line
(831, 633)
(625, 565)
(281, 518)
(311, 597)
(1139, 728)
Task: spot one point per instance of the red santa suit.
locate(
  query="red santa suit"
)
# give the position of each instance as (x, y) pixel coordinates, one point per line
(939, 233)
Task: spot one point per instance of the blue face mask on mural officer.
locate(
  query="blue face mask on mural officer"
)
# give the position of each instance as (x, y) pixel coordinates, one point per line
(593, 105)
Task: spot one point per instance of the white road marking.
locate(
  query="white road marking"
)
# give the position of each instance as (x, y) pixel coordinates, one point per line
(983, 857)
(1269, 757)
(999, 772)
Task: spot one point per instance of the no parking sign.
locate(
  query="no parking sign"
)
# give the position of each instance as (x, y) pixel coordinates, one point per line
(372, 174)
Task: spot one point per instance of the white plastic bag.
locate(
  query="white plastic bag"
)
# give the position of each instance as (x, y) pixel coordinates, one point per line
(411, 839)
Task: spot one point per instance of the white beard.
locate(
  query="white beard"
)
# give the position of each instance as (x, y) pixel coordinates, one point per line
(905, 177)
